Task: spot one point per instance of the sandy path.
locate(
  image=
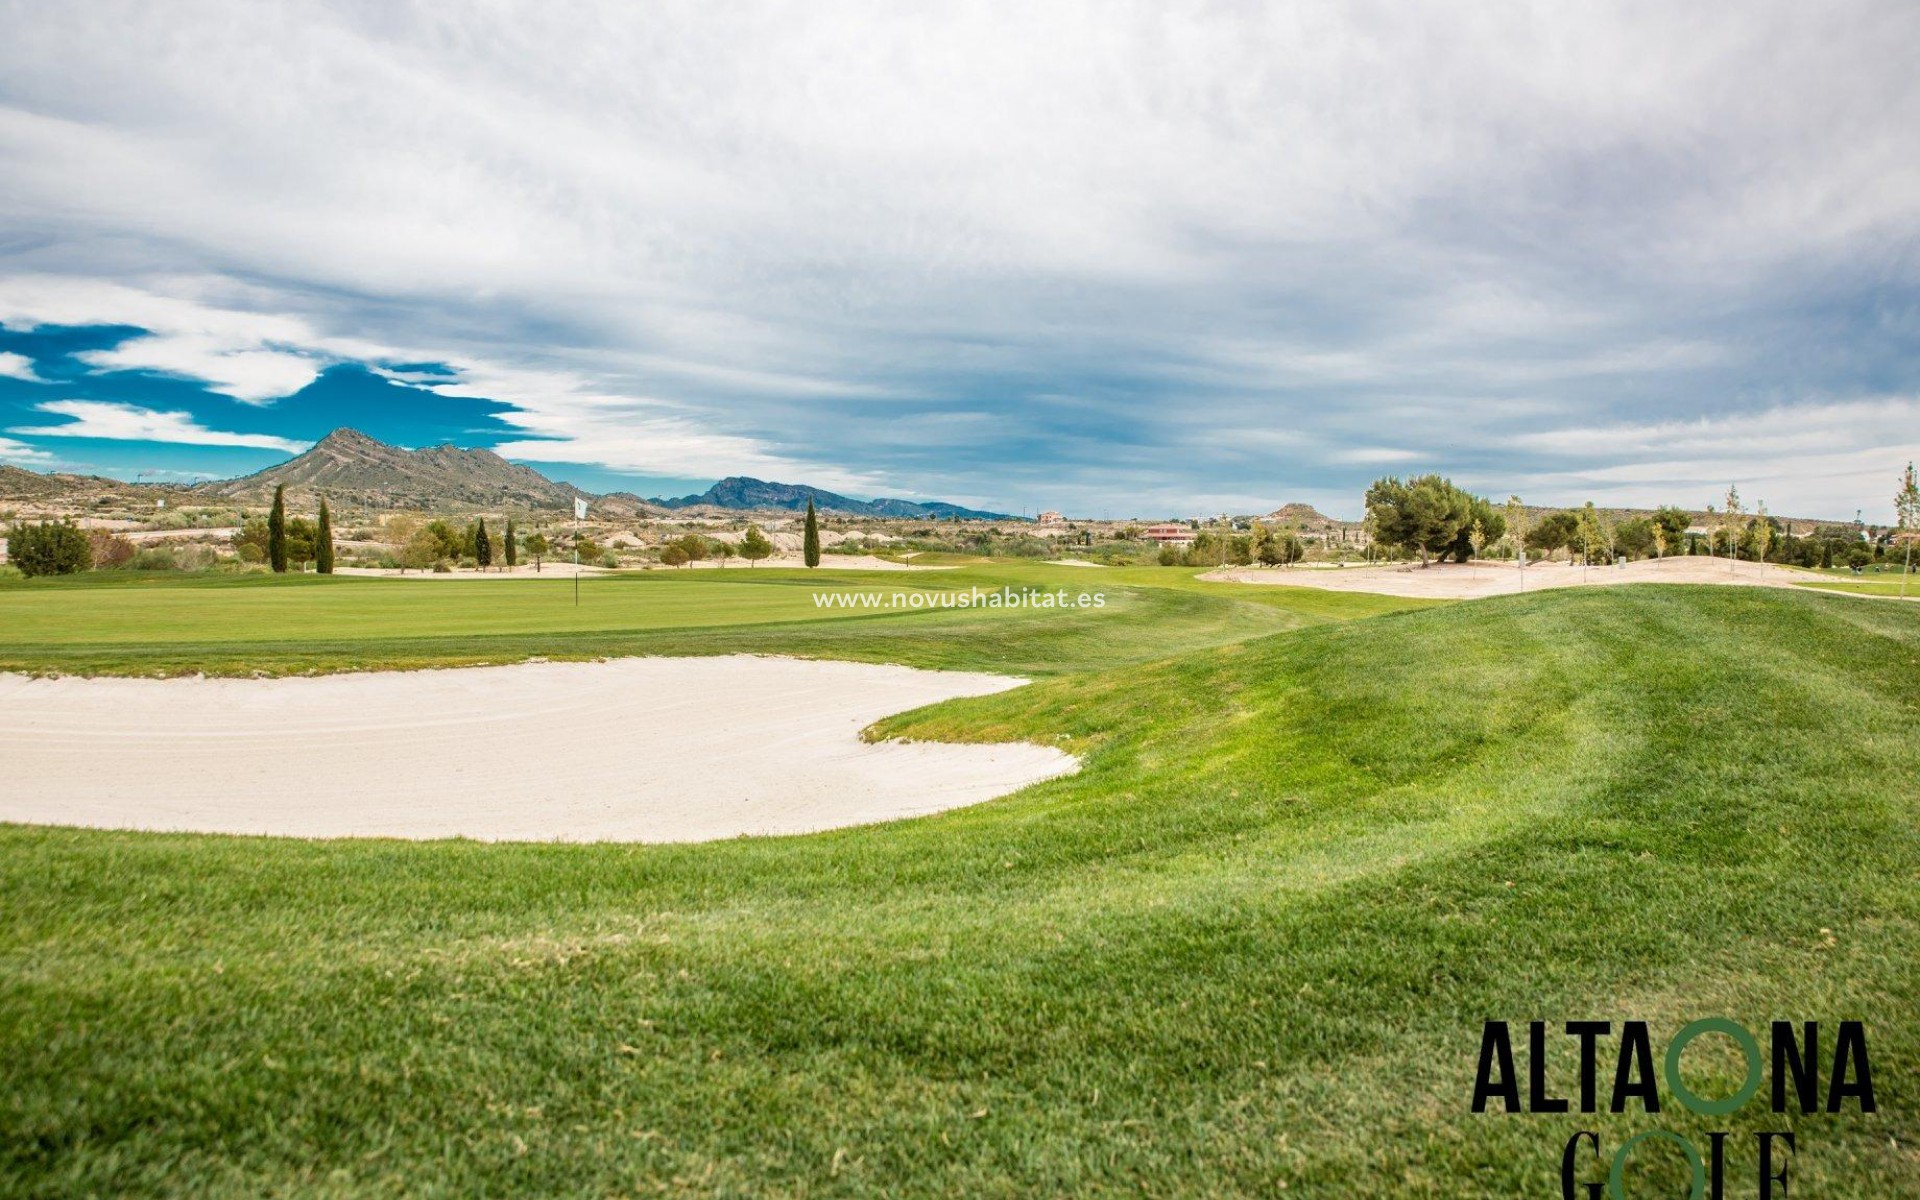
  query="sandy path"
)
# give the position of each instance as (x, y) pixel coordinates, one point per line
(1452, 581)
(641, 750)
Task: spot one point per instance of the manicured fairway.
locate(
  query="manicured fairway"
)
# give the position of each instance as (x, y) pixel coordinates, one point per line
(1866, 585)
(1249, 947)
(239, 625)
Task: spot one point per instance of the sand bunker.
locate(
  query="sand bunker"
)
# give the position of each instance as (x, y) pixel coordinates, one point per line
(636, 750)
(1452, 581)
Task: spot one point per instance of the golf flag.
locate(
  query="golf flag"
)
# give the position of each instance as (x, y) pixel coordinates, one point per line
(579, 509)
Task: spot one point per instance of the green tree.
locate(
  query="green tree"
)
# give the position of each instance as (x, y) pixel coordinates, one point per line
(1637, 537)
(454, 543)
(673, 554)
(722, 551)
(1517, 528)
(1906, 507)
(1266, 547)
(48, 548)
(1556, 531)
(252, 540)
(302, 539)
(510, 547)
(1424, 516)
(421, 550)
(1670, 527)
(1591, 536)
(1729, 520)
(754, 545)
(538, 548)
(811, 547)
(693, 546)
(1761, 532)
(323, 541)
(277, 531)
(482, 544)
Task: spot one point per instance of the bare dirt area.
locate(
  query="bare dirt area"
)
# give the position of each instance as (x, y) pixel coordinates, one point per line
(635, 750)
(1454, 581)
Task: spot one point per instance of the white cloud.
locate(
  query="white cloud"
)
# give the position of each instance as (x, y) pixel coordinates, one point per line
(131, 423)
(18, 366)
(690, 238)
(21, 454)
(568, 420)
(252, 357)
(1368, 455)
(1797, 459)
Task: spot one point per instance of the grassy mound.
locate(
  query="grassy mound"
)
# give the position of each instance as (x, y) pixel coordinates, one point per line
(1252, 943)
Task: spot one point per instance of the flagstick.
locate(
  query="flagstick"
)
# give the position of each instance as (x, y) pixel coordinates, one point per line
(576, 554)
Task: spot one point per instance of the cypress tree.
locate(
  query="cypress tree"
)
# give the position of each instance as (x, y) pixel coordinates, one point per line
(277, 532)
(812, 548)
(512, 554)
(323, 542)
(482, 548)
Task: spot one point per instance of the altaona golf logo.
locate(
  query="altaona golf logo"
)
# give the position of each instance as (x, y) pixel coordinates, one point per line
(1588, 1173)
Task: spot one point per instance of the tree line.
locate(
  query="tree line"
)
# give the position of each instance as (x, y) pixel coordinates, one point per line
(1432, 519)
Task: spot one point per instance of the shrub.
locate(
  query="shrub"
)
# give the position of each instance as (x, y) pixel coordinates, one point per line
(109, 550)
(48, 548)
(154, 558)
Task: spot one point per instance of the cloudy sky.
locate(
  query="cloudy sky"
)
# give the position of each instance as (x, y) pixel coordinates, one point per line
(1106, 257)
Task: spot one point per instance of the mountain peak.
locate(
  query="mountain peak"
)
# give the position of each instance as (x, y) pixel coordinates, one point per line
(349, 465)
(344, 436)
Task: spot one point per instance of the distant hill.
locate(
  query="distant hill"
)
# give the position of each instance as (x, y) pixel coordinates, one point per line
(352, 468)
(19, 484)
(739, 493)
(1301, 516)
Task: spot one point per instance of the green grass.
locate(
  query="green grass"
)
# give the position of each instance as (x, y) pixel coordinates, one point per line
(1873, 583)
(1250, 944)
(127, 624)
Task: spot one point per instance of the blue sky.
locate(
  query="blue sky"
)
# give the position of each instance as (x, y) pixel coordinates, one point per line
(1140, 259)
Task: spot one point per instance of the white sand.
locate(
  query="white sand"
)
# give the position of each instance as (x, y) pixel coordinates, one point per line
(1453, 581)
(638, 750)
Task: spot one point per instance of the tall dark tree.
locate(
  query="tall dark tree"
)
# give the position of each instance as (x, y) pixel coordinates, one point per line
(277, 532)
(323, 541)
(812, 545)
(509, 547)
(482, 545)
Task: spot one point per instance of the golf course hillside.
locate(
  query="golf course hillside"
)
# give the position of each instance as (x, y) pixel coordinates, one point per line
(1316, 841)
